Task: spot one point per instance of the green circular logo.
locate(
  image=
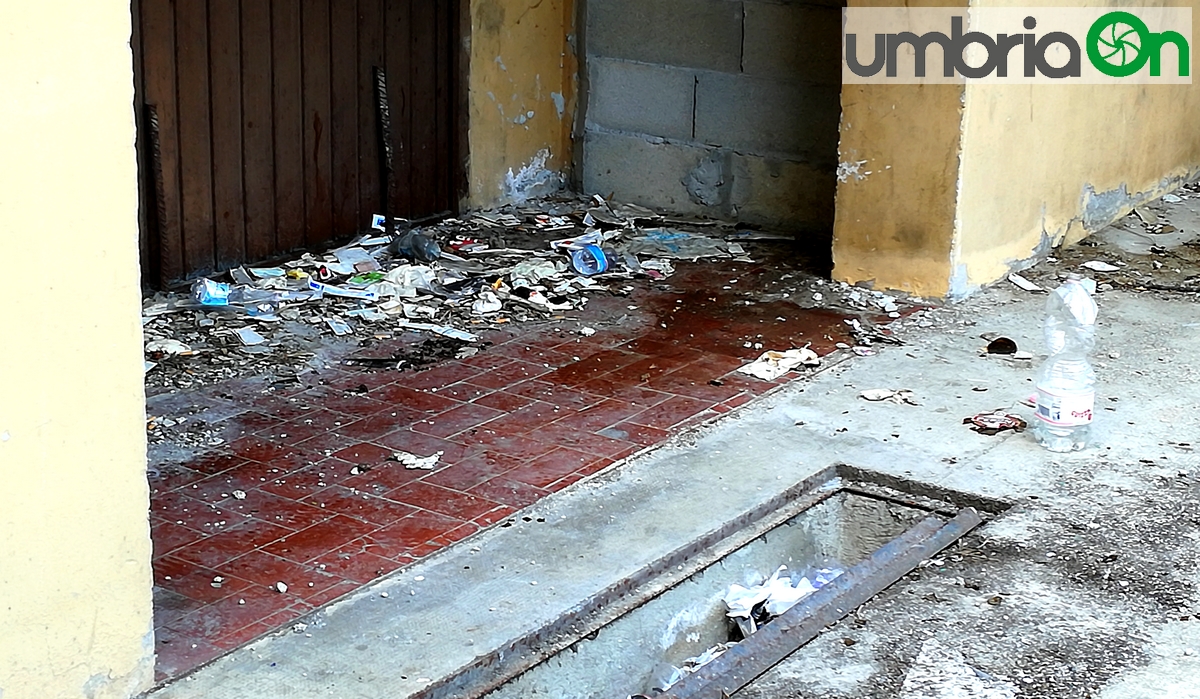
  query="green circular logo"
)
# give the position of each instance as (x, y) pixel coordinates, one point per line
(1117, 44)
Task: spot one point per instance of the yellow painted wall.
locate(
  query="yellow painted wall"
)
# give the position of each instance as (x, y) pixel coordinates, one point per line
(988, 178)
(75, 583)
(894, 210)
(522, 91)
(898, 171)
(1031, 153)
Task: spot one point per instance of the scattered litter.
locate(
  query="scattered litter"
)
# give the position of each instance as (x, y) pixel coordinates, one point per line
(586, 331)
(249, 336)
(772, 364)
(239, 495)
(1024, 283)
(672, 675)
(167, 348)
(338, 326)
(995, 422)
(487, 303)
(751, 607)
(414, 462)
(1002, 345)
(1172, 198)
(524, 263)
(900, 397)
(1100, 266)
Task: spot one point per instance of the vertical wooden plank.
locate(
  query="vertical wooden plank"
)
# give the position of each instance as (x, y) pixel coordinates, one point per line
(343, 128)
(460, 75)
(147, 195)
(289, 125)
(225, 54)
(370, 54)
(398, 61)
(315, 23)
(258, 154)
(444, 100)
(158, 61)
(195, 135)
(423, 81)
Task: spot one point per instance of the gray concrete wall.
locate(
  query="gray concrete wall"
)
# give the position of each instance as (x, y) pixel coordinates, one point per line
(723, 108)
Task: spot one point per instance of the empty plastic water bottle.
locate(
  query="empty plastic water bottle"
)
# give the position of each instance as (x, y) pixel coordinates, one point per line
(416, 246)
(1066, 382)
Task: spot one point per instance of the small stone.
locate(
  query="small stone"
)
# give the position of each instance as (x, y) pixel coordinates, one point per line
(383, 594)
(239, 495)
(280, 587)
(995, 601)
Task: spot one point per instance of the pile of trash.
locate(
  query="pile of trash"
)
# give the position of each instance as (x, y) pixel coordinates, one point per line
(445, 281)
(751, 608)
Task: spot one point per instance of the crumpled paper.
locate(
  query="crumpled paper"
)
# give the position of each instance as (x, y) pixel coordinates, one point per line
(773, 364)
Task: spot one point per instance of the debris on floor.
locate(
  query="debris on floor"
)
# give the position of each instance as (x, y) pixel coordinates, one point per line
(752, 607)
(994, 422)
(1002, 345)
(901, 396)
(449, 279)
(772, 364)
(419, 463)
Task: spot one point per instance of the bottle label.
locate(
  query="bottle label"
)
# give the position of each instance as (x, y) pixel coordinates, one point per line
(1065, 409)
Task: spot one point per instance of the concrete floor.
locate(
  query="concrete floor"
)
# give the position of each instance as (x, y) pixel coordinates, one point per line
(1096, 566)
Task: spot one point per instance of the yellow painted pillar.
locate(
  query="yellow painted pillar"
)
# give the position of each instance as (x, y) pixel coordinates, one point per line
(523, 74)
(75, 581)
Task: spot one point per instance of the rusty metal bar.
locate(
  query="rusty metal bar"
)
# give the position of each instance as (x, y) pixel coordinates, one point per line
(745, 661)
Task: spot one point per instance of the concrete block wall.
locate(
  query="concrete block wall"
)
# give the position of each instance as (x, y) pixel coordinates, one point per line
(723, 108)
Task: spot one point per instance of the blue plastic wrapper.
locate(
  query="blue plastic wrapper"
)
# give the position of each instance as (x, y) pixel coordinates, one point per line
(209, 293)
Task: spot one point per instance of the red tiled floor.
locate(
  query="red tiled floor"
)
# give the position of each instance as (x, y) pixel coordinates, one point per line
(319, 539)
(547, 469)
(442, 500)
(326, 509)
(356, 562)
(457, 419)
(399, 539)
(238, 539)
(473, 470)
(509, 491)
(504, 375)
(361, 506)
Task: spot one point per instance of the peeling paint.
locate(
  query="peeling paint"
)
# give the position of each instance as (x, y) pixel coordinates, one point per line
(500, 62)
(848, 169)
(534, 180)
(560, 103)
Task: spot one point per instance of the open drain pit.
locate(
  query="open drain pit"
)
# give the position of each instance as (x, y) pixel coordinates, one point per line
(629, 641)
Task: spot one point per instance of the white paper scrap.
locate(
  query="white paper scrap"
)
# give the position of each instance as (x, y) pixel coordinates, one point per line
(772, 364)
(1024, 283)
(250, 336)
(1100, 266)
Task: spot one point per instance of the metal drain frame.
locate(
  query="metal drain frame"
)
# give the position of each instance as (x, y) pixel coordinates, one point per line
(745, 661)
(491, 670)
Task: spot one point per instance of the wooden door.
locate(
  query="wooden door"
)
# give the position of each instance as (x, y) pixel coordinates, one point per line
(259, 130)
